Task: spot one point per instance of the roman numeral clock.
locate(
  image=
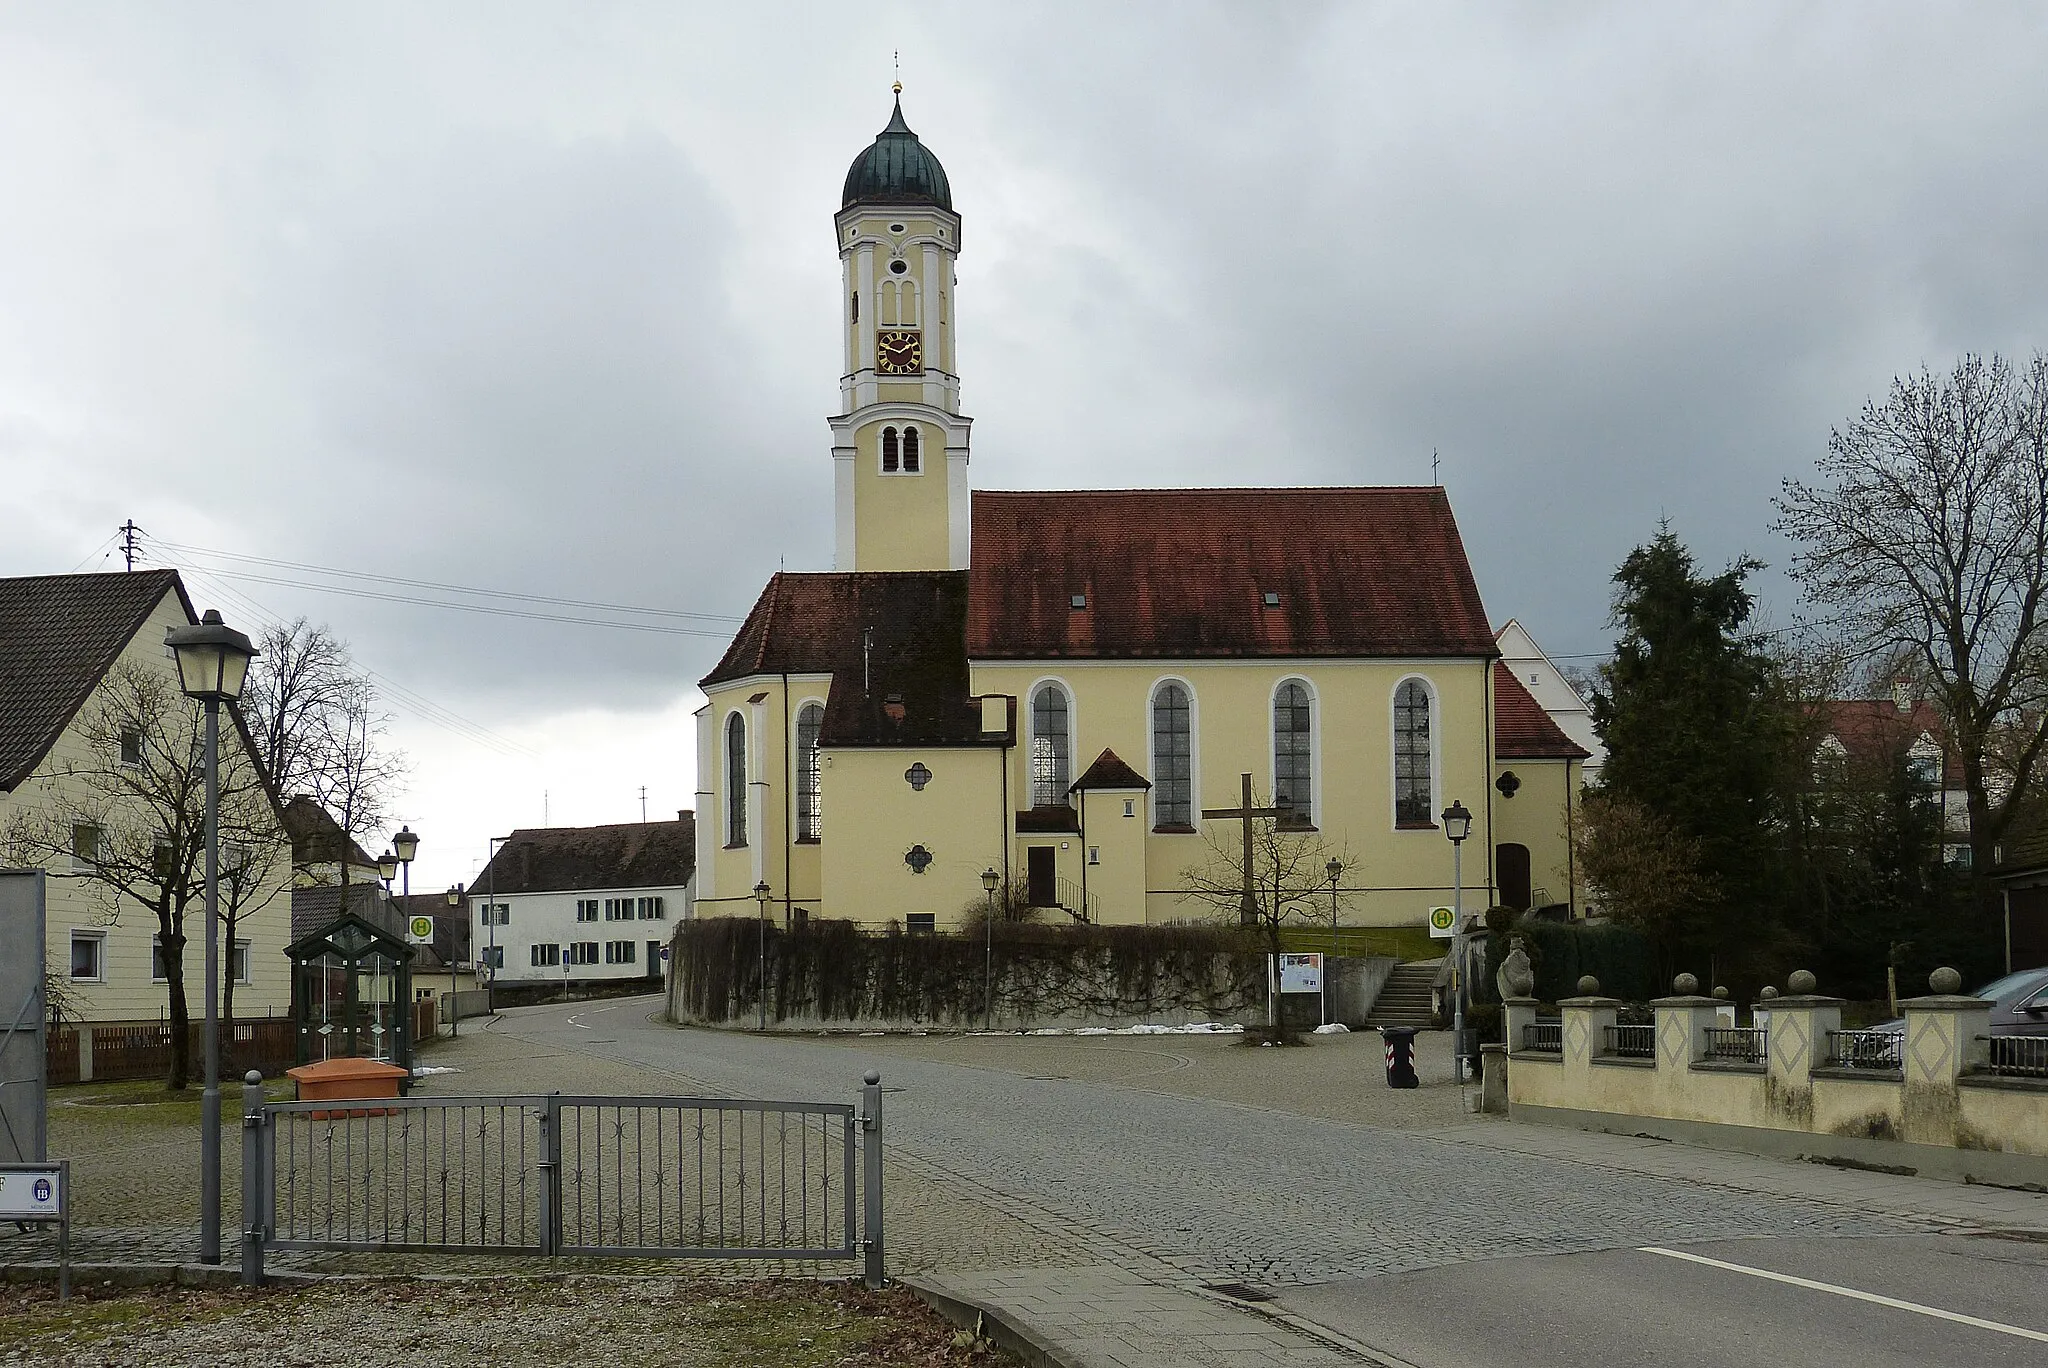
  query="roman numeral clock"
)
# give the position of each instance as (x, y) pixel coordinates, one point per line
(899, 351)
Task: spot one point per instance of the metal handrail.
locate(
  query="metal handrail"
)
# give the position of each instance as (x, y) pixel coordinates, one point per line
(1543, 1037)
(1631, 1041)
(1740, 1044)
(1865, 1049)
(2016, 1056)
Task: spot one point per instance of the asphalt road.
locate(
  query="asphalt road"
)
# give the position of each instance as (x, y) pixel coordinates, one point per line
(1431, 1252)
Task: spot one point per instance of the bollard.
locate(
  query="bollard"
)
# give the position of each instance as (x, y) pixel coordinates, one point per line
(1400, 1056)
(871, 1157)
(255, 1201)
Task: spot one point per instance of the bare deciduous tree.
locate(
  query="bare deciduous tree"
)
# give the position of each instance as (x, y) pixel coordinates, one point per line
(128, 816)
(1927, 532)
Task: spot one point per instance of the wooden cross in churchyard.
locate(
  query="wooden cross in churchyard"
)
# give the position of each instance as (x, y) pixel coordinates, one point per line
(1248, 910)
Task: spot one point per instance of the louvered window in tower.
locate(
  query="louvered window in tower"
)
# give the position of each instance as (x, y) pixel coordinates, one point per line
(910, 451)
(890, 461)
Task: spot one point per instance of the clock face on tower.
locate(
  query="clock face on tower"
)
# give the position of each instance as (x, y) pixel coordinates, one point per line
(899, 352)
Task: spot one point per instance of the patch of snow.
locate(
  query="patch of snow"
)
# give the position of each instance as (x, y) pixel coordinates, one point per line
(1333, 1028)
(423, 1070)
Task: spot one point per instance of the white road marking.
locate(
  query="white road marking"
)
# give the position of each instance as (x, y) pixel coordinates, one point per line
(1915, 1307)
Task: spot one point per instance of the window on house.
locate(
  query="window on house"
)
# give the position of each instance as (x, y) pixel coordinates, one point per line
(88, 957)
(85, 845)
(1413, 757)
(620, 952)
(921, 923)
(586, 909)
(1051, 747)
(494, 914)
(544, 956)
(240, 962)
(493, 957)
(1292, 754)
(735, 780)
(653, 909)
(157, 973)
(131, 745)
(583, 952)
(1173, 775)
(890, 460)
(910, 451)
(810, 806)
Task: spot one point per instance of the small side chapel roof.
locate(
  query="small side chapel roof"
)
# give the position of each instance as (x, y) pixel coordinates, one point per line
(1110, 772)
(1522, 730)
(1221, 573)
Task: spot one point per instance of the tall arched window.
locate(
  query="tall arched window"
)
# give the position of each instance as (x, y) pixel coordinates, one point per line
(1051, 747)
(735, 780)
(897, 303)
(1292, 744)
(910, 450)
(1413, 757)
(888, 450)
(1173, 771)
(810, 810)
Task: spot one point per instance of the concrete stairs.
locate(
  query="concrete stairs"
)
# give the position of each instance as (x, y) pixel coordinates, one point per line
(1405, 999)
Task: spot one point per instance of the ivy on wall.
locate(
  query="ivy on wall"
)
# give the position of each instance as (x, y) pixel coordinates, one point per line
(832, 971)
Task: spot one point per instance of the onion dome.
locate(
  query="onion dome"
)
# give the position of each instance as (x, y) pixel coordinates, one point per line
(897, 169)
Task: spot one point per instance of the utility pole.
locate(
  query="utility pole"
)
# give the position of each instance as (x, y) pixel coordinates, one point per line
(129, 550)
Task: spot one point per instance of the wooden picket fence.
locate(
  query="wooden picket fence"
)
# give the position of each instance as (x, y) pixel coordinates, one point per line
(116, 1051)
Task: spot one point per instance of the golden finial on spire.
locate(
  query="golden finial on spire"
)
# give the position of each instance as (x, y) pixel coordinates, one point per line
(898, 87)
(897, 58)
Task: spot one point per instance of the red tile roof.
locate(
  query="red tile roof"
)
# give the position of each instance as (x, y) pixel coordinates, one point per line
(1877, 728)
(1110, 772)
(1522, 730)
(1183, 573)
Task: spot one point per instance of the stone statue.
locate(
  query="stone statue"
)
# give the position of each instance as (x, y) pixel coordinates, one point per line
(1517, 977)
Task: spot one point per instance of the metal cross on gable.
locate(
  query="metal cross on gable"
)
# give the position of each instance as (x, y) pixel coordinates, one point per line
(1244, 812)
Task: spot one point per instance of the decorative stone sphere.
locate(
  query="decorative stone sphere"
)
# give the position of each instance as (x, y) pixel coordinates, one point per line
(1945, 981)
(1721, 991)
(1802, 981)
(1588, 986)
(1685, 985)
(1768, 993)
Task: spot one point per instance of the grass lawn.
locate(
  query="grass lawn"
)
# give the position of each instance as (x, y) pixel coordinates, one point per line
(512, 1321)
(1402, 942)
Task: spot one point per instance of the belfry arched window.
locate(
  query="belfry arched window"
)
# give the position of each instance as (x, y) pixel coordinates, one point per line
(1293, 753)
(1051, 747)
(890, 462)
(1414, 755)
(896, 305)
(810, 720)
(910, 451)
(1173, 772)
(735, 780)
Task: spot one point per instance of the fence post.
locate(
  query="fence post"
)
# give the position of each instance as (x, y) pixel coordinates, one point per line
(551, 1174)
(255, 1200)
(871, 1157)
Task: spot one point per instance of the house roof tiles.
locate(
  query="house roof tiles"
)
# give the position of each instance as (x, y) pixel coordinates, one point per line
(564, 859)
(1522, 730)
(1201, 573)
(1110, 772)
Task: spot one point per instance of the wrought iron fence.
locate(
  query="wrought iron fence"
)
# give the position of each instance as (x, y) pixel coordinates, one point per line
(556, 1174)
(1865, 1049)
(1738, 1044)
(2017, 1056)
(1543, 1037)
(1631, 1042)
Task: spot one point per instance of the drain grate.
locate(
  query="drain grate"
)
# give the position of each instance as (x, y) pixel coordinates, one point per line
(1240, 1291)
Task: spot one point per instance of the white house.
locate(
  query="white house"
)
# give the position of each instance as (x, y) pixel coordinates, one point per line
(581, 905)
(1539, 674)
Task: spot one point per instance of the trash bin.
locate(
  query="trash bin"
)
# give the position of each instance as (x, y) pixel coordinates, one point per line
(1400, 1056)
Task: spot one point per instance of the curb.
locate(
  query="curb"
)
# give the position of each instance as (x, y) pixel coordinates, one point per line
(984, 1320)
(152, 1275)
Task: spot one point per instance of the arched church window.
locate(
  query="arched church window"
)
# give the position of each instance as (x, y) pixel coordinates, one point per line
(896, 304)
(910, 450)
(1414, 756)
(1292, 753)
(889, 457)
(1173, 774)
(810, 808)
(735, 780)
(1051, 747)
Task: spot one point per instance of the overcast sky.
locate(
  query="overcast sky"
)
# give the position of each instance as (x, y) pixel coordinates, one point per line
(543, 299)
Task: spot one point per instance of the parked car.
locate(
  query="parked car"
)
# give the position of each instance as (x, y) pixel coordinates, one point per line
(2019, 1005)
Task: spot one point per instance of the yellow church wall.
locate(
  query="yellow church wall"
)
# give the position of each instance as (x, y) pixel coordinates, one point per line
(873, 817)
(770, 855)
(901, 520)
(1396, 875)
(1113, 855)
(1537, 817)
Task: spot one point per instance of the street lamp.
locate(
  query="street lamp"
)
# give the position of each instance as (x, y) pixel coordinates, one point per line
(454, 1016)
(761, 892)
(989, 880)
(387, 869)
(1335, 869)
(405, 845)
(1457, 826)
(213, 662)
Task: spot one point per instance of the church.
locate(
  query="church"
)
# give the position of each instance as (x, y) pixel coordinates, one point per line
(1057, 685)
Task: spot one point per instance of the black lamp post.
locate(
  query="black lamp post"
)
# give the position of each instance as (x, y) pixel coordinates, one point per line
(405, 845)
(989, 880)
(213, 663)
(454, 1016)
(761, 894)
(1457, 826)
(387, 869)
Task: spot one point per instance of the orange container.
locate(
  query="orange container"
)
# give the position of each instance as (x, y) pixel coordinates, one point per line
(347, 1079)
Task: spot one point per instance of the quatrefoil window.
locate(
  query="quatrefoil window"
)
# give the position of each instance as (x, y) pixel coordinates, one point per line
(918, 776)
(918, 858)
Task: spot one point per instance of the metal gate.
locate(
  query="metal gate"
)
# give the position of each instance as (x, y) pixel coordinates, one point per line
(24, 1055)
(563, 1174)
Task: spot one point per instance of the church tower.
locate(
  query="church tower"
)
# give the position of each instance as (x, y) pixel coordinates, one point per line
(899, 444)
